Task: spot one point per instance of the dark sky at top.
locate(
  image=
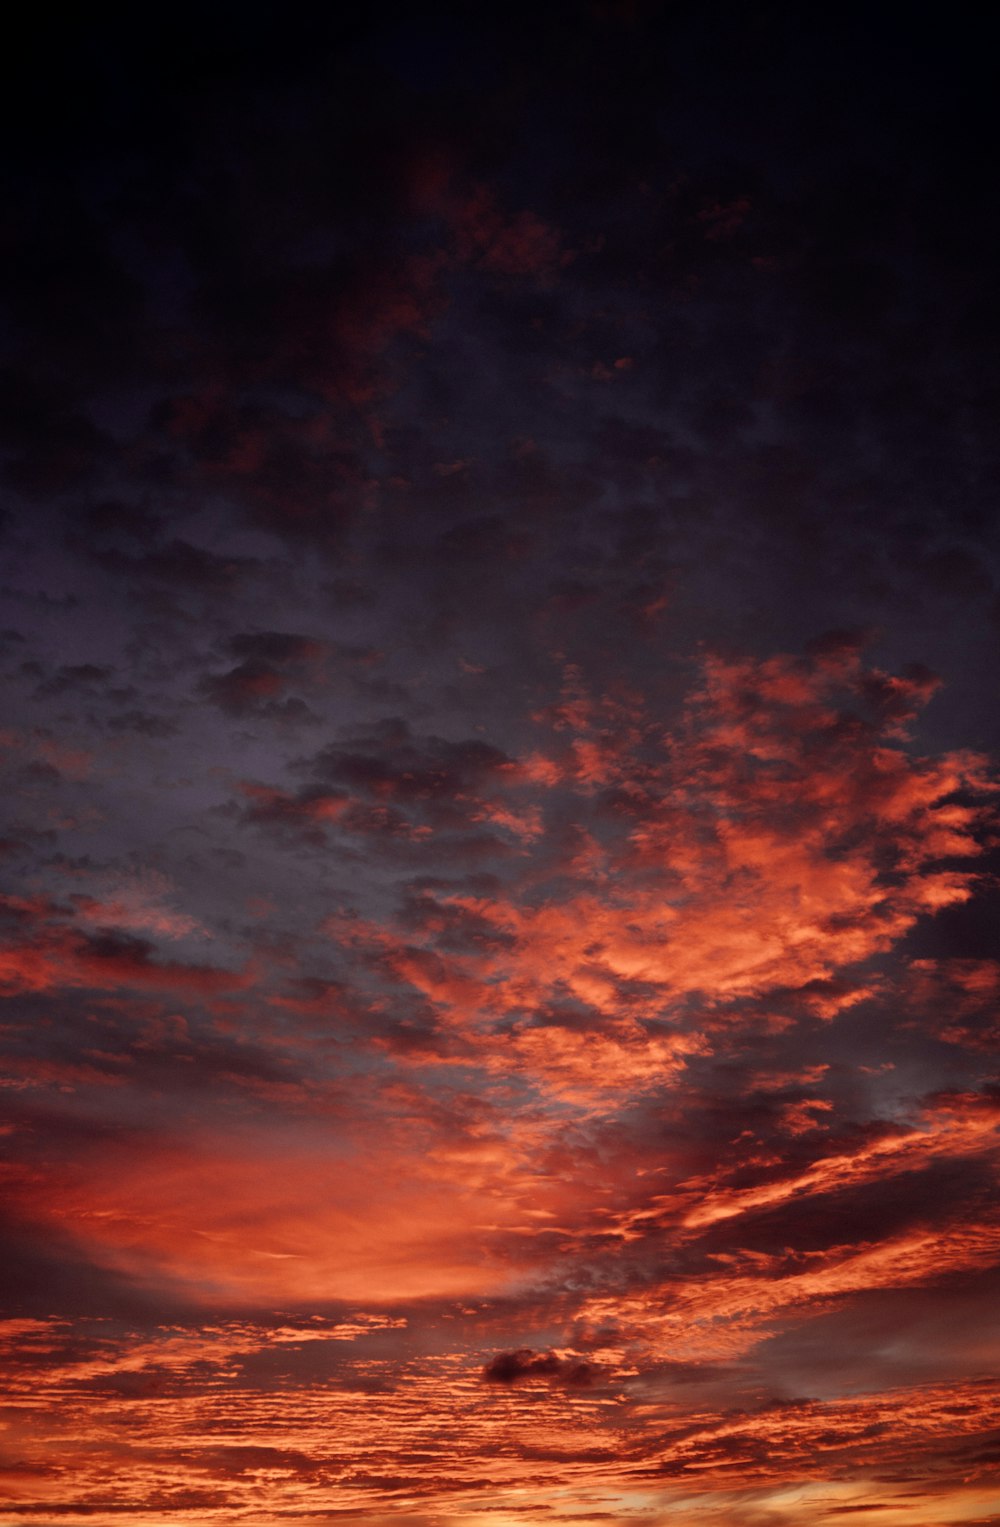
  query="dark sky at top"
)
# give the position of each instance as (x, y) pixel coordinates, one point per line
(726, 269)
(500, 642)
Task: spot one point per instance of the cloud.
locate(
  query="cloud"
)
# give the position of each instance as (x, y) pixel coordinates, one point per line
(137, 902)
(271, 663)
(522, 1363)
(771, 841)
(503, 245)
(584, 1105)
(56, 957)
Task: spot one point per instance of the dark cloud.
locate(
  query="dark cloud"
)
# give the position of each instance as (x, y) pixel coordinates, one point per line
(522, 1363)
(176, 563)
(411, 770)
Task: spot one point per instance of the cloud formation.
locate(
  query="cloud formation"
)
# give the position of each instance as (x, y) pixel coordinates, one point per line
(498, 957)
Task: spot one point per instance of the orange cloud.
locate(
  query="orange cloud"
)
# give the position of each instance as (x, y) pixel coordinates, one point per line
(487, 1162)
(769, 842)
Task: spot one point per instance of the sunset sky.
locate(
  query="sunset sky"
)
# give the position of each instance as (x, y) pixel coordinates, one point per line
(501, 641)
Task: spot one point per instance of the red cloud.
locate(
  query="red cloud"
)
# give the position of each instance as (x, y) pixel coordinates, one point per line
(777, 836)
(56, 956)
(505, 245)
(501, 1118)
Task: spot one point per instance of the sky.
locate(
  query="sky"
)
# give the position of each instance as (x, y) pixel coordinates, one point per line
(501, 599)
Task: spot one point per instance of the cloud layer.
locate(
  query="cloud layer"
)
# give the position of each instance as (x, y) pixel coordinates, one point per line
(498, 959)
